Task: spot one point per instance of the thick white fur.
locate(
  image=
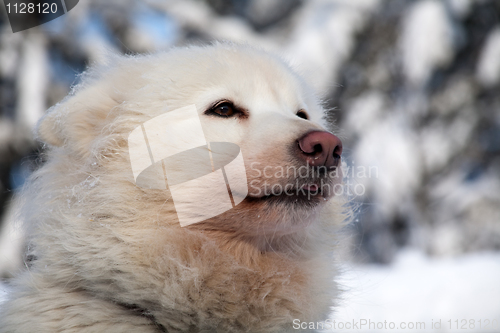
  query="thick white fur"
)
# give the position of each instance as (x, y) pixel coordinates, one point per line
(111, 256)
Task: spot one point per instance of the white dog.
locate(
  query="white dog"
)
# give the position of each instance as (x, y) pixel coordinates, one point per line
(110, 255)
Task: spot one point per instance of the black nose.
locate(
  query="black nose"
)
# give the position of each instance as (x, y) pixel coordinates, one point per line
(320, 149)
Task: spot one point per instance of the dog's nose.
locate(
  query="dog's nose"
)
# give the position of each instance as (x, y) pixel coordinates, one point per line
(320, 149)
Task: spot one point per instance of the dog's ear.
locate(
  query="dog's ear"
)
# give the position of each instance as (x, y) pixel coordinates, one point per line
(78, 119)
(47, 129)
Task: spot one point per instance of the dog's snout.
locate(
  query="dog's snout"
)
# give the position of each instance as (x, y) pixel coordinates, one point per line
(320, 148)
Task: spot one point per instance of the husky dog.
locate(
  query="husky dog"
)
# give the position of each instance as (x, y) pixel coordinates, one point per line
(108, 254)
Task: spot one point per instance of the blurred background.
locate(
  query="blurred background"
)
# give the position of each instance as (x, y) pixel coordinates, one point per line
(413, 86)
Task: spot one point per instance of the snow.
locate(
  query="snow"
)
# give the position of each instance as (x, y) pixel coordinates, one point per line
(426, 40)
(440, 141)
(364, 111)
(11, 244)
(198, 16)
(33, 80)
(416, 288)
(95, 37)
(9, 58)
(459, 8)
(323, 38)
(3, 292)
(390, 147)
(488, 70)
(151, 30)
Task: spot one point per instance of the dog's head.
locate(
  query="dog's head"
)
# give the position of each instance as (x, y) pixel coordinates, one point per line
(242, 95)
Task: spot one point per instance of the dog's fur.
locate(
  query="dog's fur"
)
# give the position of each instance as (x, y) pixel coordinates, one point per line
(109, 256)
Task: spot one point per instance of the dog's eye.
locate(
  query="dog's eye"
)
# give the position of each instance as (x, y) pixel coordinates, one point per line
(302, 114)
(223, 109)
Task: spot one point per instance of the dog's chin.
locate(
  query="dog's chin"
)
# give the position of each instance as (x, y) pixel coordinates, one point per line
(294, 200)
(273, 214)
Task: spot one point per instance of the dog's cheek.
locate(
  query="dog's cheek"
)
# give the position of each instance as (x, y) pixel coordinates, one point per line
(267, 169)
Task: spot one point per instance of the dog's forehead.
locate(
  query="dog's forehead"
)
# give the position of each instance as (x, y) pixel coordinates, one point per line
(251, 79)
(260, 91)
(257, 82)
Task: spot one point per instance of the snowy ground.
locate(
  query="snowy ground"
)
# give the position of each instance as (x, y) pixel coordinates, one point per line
(3, 292)
(418, 289)
(415, 290)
